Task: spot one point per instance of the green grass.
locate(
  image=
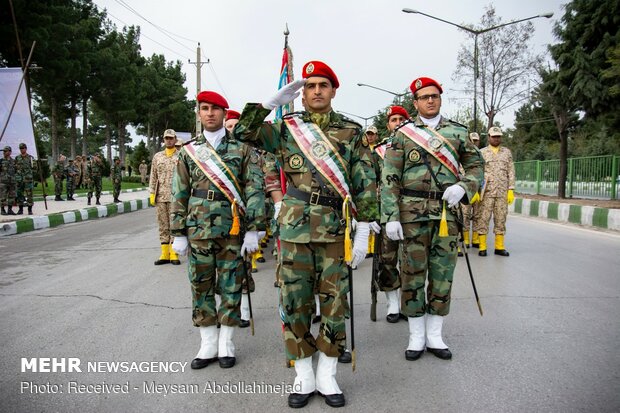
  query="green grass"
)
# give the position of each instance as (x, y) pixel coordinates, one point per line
(106, 185)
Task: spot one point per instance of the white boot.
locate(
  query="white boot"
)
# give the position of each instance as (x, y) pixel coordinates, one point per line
(434, 342)
(393, 302)
(226, 347)
(326, 381)
(304, 381)
(245, 307)
(208, 343)
(417, 332)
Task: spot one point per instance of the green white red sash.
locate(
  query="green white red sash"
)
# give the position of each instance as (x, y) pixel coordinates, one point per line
(217, 172)
(435, 144)
(321, 153)
(380, 149)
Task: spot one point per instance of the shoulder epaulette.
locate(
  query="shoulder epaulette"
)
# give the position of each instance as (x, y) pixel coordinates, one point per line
(403, 123)
(291, 114)
(349, 120)
(456, 123)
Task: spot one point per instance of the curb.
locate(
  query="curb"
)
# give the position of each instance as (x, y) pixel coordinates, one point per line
(589, 216)
(53, 220)
(124, 191)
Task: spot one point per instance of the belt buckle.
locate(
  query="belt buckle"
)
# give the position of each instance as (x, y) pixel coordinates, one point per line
(210, 195)
(314, 198)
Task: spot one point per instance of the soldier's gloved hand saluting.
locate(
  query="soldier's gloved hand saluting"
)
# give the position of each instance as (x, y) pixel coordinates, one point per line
(250, 243)
(285, 95)
(360, 243)
(394, 231)
(453, 195)
(179, 245)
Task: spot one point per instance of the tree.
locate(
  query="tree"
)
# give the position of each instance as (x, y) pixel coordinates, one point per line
(505, 63)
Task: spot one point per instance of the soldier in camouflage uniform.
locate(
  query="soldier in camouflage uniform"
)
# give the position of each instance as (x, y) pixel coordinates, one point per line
(94, 173)
(420, 179)
(24, 165)
(160, 188)
(470, 210)
(203, 218)
(116, 176)
(311, 222)
(143, 168)
(59, 175)
(77, 179)
(7, 181)
(498, 192)
(70, 172)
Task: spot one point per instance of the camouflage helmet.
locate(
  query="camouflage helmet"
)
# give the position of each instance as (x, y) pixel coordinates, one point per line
(7, 149)
(22, 146)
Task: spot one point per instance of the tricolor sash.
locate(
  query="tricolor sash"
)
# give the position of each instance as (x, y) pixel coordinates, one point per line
(321, 153)
(435, 144)
(380, 149)
(217, 172)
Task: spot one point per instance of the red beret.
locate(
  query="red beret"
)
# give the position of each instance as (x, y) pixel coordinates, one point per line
(397, 110)
(423, 82)
(232, 114)
(316, 68)
(212, 98)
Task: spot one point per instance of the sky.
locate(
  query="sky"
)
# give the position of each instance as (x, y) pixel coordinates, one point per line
(363, 41)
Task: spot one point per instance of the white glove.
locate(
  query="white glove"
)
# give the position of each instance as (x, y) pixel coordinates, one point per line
(453, 194)
(353, 224)
(394, 231)
(285, 95)
(250, 243)
(261, 234)
(375, 227)
(360, 243)
(276, 210)
(179, 245)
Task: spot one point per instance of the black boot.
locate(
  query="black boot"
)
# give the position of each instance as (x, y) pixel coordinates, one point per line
(20, 211)
(10, 211)
(97, 202)
(3, 211)
(29, 209)
(88, 203)
(58, 198)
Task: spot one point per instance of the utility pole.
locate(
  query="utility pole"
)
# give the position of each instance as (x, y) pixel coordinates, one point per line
(198, 64)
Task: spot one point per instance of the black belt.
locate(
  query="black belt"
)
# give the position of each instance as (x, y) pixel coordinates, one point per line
(315, 198)
(422, 194)
(209, 195)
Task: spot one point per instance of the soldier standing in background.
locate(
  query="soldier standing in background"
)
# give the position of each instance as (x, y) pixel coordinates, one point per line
(311, 221)
(470, 210)
(84, 171)
(59, 174)
(78, 177)
(498, 193)
(217, 195)
(160, 188)
(420, 187)
(94, 173)
(70, 172)
(7, 181)
(24, 165)
(143, 168)
(116, 176)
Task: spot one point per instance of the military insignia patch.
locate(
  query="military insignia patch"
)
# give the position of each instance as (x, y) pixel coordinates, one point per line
(435, 143)
(319, 150)
(364, 140)
(309, 68)
(295, 161)
(418, 84)
(414, 156)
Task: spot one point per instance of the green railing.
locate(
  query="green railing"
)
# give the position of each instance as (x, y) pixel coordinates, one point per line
(587, 177)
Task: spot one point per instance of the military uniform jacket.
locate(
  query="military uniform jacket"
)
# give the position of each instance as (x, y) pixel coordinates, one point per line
(24, 166)
(404, 168)
(116, 173)
(7, 170)
(198, 218)
(499, 172)
(59, 171)
(299, 221)
(162, 169)
(94, 169)
(271, 173)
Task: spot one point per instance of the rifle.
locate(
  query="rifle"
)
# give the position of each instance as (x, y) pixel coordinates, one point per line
(459, 224)
(374, 279)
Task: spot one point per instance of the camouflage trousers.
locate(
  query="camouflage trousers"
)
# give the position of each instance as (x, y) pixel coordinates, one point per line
(7, 194)
(70, 187)
(116, 188)
(58, 186)
(469, 216)
(389, 278)
(94, 185)
(211, 262)
(426, 256)
(496, 206)
(303, 265)
(24, 193)
(162, 210)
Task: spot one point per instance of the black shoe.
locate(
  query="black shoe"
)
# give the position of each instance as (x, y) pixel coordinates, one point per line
(468, 246)
(29, 210)
(175, 262)
(474, 245)
(316, 319)
(297, 400)
(201, 363)
(482, 253)
(392, 318)
(254, 270)
(97, 203)
(260, 259)
(3, 211)
(88, 203)
(345, 357)
(10, 211)
(460, 253)
(442, 353)
(226, 362)
(20, 211)
(403, 317)
(244, 323)
(276, 284)
(334, 400)
(503, 253)
(58, 199)
(413, 355)
(162, 262)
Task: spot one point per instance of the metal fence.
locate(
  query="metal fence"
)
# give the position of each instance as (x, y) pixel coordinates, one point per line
(587, 177)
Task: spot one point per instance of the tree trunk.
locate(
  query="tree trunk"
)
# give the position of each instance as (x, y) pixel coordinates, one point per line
(108, 141)
(561, 122)
(54, 132)
(84, 125)
(121, 141)
(73, 126)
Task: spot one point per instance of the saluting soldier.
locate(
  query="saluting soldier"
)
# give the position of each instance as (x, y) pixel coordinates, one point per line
(116, 175)
(7, 181)
(95, 172)
(217, 195)
(24, 165)
(160, 188)
(420, 183)
(321, 153)
(498, 192)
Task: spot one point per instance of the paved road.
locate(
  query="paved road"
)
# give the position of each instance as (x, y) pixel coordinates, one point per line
(547, 341)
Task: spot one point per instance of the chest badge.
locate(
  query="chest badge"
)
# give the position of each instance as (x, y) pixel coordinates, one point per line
(435, 143)
(414, 156)
(296, 161)
(319, 150)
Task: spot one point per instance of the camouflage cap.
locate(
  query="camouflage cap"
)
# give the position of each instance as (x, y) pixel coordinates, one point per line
(7, 149)
(170, 132)
(179, 142)
(22, 146)
(495, 131)
(116, 158)
(371, 129)
(474, 136)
